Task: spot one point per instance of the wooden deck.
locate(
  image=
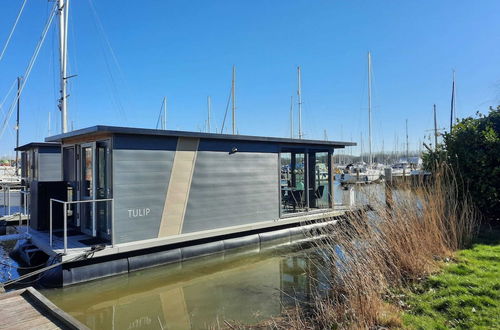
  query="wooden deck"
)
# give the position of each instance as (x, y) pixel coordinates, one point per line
(42, 241)
(29, 309)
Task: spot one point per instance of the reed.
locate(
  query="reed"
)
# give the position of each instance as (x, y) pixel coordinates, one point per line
(371, 255)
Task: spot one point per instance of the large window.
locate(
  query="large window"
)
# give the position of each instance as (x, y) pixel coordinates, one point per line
(305, 180)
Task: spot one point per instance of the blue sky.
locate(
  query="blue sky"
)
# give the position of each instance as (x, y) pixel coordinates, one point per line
(185, 50)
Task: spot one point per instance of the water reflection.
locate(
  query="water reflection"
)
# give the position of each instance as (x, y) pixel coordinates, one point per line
(245, 286)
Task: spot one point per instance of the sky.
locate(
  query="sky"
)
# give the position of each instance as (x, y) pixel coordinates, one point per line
(128, 55)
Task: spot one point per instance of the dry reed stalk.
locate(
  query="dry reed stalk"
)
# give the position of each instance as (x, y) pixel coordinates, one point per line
(372, 253)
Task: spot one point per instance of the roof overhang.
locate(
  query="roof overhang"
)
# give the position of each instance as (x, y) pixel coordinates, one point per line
(168, 133)
(33, 145)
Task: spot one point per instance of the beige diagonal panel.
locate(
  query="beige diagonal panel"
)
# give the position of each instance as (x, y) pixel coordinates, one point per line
(178, 188)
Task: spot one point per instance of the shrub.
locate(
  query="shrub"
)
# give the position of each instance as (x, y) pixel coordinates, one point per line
(472, 149)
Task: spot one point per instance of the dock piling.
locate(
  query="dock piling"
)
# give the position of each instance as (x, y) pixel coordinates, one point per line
(388, 188)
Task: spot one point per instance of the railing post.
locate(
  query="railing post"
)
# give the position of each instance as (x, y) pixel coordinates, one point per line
(24, 203)
(28, 212)
(8, 198)
(65, 228)
(351, 196)
(112, 223)
(50, 222)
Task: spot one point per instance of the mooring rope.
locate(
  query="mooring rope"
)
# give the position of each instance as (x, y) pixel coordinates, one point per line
(84, 255)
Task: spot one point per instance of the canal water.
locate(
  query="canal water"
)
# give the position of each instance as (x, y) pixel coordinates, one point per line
(246, 286)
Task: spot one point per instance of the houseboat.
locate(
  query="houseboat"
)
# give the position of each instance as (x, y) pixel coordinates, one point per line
(136, 198)
(40, 161)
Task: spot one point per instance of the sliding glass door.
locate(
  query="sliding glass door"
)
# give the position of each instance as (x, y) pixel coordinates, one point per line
(305, 180)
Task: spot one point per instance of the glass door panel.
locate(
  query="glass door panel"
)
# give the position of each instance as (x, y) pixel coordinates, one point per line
(103, 184)
(293, 182)
(87, 189)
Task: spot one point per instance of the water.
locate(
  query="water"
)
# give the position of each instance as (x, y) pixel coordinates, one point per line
(247, 286)
(8, 267)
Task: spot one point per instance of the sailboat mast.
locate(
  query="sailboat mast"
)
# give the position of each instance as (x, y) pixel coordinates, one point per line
(361, 153)
(452, 110)
(342, 152)
(209, 109)
(407, 144)
(435, 130)
(350, 150)
(383, 152)
(17, 121)
(370, 160)
(291, 117)
(233, 99)
(299, 95)
(63, 6)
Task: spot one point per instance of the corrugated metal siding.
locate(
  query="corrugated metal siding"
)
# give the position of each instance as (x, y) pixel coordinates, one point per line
(232, 189)
(49, 167)
(144, 142)
(50, 150)
(242, 146)
(140, 181)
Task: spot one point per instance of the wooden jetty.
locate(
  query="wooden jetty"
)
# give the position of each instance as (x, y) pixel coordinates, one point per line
(29, 309)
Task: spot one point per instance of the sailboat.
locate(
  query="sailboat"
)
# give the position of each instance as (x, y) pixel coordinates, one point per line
(364, 172)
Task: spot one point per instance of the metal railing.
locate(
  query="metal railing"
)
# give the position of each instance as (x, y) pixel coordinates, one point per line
(65, 221)
(7, 189)
(27, 211)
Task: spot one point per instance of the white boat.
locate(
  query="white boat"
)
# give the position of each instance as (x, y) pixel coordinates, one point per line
(8, 175)
(401, 169)
(360, 173)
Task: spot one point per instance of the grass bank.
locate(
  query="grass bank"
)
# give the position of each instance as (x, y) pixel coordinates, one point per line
(466, 294)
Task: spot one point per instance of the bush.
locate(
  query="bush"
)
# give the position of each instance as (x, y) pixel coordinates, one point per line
(472, 149)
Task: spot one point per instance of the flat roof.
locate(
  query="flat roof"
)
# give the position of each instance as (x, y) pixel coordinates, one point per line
(216, 136)
(32, 145)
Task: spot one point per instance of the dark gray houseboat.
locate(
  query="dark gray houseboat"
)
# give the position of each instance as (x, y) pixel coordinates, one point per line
(141, 197)
(40, 161)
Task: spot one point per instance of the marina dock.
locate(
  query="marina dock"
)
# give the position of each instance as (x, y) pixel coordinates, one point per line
(29, 309)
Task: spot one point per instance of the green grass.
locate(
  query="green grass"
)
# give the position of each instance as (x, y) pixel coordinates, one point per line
(465, 295)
